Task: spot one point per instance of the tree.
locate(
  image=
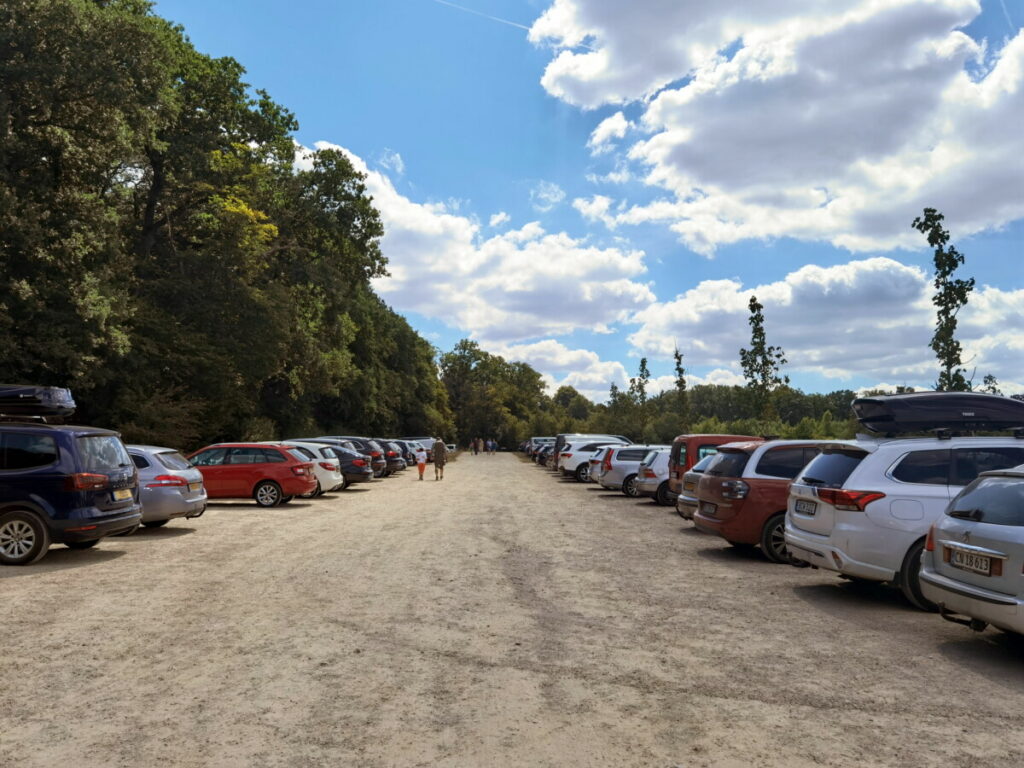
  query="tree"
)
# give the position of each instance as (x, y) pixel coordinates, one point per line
(682, 395)
(991, 385)
(950, 297)
(762, 363)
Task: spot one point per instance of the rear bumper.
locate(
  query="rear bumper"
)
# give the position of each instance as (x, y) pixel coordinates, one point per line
(298, 485)
(648, 486)
(168, 503)
(819, 551)
(686, 507)
(996, 608)
(358, 477)
(88, 529)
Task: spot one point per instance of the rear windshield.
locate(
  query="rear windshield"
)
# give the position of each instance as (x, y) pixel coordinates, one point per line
(728, 464)
(102, 453)
(995, 500)
(702, 465)
(651, 457)
(173, 460)
(299, 453)
(832, 468)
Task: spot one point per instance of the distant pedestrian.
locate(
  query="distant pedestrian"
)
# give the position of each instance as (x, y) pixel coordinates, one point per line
(479, 444)
(440, 451)
(475, 445)
(421, 459)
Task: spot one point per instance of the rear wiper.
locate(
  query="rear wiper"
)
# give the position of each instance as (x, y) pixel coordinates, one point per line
(967, 514)
(812, 481)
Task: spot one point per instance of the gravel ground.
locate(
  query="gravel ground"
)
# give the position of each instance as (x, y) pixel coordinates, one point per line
(501, 617)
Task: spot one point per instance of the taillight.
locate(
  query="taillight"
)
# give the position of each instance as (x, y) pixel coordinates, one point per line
(607, 463)
(299, 469)
(566, 455)
(929, 543)
(358, 462)
(734, 489)
(85, 481)
(649, 472)
(392, 454)
(167, 481)
(328, 466)
(375, 454)
(849, 501)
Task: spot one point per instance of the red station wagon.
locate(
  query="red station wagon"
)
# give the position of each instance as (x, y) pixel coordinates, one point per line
(270, 474)
(687, 450)
(743, 493)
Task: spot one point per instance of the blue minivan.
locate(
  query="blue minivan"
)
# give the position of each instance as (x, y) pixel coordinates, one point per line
(62, 484)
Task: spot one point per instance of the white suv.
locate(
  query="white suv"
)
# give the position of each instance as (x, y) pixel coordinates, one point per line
(574, 460)
(863, 508)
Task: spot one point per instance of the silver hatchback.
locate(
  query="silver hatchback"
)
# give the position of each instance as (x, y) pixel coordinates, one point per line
(973, 564)
(169, 486)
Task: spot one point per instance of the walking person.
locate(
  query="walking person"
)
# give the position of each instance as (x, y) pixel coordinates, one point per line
(421, 459)
(475, 445)
(440, 452)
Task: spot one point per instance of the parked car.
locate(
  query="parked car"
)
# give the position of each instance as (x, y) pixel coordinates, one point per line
(543, 454)
(63, 485)
(534, 443)
(326, 467)
(392, 456)
(564, 437)
(364, 445)
(355, 467)
(687, 450)
(575, 459)
(620, 465)
(743, 492)
(687, 501)
(269, 474)
(652, 477)
(596, 462)
(427, 443)
(169, 487)
(973, 563)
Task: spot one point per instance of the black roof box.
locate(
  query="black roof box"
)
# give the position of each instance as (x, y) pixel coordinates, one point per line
(929, 411)
(27, 400)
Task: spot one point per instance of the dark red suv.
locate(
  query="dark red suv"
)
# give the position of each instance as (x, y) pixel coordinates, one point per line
(687, 450)
(270, 474)
(743, 493)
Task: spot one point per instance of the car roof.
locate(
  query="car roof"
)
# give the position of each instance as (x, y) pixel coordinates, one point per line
(72, 428)
(151, 449)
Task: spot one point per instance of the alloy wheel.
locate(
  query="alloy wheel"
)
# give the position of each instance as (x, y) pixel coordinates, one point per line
(16, 538)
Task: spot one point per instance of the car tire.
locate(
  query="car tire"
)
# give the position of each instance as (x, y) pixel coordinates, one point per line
(629, 487)
(910, 579)
(773, 540)
(287, 499)
(582, 473)
(344, 484)
(81, 544)
(318, 491)
(267, 494)
(661, 495)
(155, 523)
(33, 540)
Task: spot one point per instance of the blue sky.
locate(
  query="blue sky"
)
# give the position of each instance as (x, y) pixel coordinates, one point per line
(755, 149)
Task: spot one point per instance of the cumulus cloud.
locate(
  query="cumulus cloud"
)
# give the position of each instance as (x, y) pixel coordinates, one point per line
(836, 121)
(499, 218)
(609, 129)
(581, 369)
(869, 318)
(545, 196)
(519, 284)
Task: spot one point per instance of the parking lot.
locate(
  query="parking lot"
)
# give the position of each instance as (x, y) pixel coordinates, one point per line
(500, 617)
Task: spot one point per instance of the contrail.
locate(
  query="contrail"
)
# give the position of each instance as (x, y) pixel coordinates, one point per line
(484, 15)
(1006, 13)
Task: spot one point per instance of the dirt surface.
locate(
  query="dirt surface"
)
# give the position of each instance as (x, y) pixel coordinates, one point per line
(500, 617)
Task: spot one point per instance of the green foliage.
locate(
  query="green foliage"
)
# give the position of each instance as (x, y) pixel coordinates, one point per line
(762, 363)
(950, 297)
(162, 256)
(991, 385)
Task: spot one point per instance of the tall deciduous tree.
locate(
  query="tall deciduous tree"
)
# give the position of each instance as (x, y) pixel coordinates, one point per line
(762, 363)
(682, 396)
(950, 297)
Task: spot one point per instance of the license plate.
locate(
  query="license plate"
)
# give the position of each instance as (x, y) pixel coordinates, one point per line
(121, 494)
(689, 486)
(708, 508)
(195, 486)
(805, 507)
(968, 561)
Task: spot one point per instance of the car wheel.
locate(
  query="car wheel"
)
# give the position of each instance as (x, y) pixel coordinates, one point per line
(629, 487)
(582, 473)
(773, 540)
(344, 484)
(910, 579)
(286, 499)
(81, 544)
(661, 496)
(267, 494)
(318, 491)
(155, 523)
(23, 538)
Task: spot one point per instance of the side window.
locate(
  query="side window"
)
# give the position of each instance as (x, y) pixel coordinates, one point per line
(139, 461)
(26, 451)
(783, 462)
(272, 456)
(631, 455)
(678, 455)
(924, 467)
(706, 450)
(968, 463)
(245, 456)
(211, 458)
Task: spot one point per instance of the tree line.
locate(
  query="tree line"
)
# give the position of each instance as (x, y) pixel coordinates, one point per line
(163, 256)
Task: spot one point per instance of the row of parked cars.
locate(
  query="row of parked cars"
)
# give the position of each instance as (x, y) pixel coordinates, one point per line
(77, 485)
(921, 501)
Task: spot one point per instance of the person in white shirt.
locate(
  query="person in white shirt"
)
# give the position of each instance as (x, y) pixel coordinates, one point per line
(421, 459)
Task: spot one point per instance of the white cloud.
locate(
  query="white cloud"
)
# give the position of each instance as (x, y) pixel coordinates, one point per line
(392, 161)
(519, 284)
(609, 129)
(597, 208)
(581, 369)
(833, 120)
(546, 195)
(499, 218)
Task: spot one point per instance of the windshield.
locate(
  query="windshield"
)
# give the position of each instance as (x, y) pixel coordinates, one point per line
(702, 465)
(994, 500)
(102, 453)
(728, 464)
(173, 460)
(832, 468)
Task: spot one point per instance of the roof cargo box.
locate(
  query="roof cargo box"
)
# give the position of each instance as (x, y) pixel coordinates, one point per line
(26, 400)
(928, 411)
